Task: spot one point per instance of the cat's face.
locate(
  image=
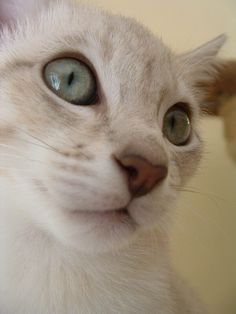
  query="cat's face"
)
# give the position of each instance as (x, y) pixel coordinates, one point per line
(70, 155)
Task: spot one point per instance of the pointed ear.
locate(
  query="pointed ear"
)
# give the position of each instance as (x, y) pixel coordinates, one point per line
(207, 50)
(13, 10)
(200, 66)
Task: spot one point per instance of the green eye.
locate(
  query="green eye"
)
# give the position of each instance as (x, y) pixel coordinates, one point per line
(71, 80)
(177, 125)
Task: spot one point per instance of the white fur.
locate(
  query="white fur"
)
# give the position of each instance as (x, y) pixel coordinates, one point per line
(54, 259)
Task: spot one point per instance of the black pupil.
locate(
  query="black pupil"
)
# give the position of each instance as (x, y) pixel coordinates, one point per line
(71, 78)
(172, 122)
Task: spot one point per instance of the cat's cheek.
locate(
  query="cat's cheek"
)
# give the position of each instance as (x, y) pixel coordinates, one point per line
(92, 186)
(8, 114)
(87, 197)
(83, 200)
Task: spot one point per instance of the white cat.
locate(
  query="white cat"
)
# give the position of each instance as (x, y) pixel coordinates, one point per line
(97, 134)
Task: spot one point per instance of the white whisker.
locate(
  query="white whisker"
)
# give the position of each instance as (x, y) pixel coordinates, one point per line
(19, 156)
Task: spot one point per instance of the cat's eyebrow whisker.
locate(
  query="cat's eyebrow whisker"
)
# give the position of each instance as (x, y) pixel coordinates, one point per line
(210, 196)
(33, 143)
(26, 141)
(15, 184)
(17, 155)
(9, 175)
(32, 136)
(204, 219)
(11, 147)
(207, 195)
(13, 168)
(43, 142)
(204, 193)
(21, 156)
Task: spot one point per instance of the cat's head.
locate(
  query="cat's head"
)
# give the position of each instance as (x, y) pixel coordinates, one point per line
(97, 118)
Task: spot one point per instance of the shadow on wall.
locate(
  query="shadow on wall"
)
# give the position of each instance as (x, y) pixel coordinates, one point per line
(221, 97)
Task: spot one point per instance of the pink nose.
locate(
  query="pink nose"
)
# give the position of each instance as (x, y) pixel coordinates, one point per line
(142, 175)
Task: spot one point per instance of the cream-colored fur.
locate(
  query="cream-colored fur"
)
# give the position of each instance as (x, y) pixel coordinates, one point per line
(56, 158)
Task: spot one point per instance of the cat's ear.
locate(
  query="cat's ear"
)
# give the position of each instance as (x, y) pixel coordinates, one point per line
(13, 10)
(200, 66)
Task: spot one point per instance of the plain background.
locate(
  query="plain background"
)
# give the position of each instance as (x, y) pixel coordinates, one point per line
(204, 234)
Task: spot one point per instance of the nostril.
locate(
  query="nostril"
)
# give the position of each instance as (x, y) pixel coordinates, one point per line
(132, 171)
(142, 175)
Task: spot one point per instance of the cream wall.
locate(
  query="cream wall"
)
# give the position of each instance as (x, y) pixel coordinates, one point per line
(204, 235)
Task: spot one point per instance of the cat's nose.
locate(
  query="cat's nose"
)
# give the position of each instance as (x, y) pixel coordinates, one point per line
(142, 175)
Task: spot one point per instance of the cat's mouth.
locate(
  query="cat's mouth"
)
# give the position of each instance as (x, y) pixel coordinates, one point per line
(113, 215)
(120, 212)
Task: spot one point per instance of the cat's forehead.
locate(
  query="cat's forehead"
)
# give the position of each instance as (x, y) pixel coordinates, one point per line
(109, 42)
(134, 69)
(130, 61)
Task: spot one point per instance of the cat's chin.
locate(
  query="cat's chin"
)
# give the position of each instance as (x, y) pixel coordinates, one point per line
(107, 219)
(100, 231)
